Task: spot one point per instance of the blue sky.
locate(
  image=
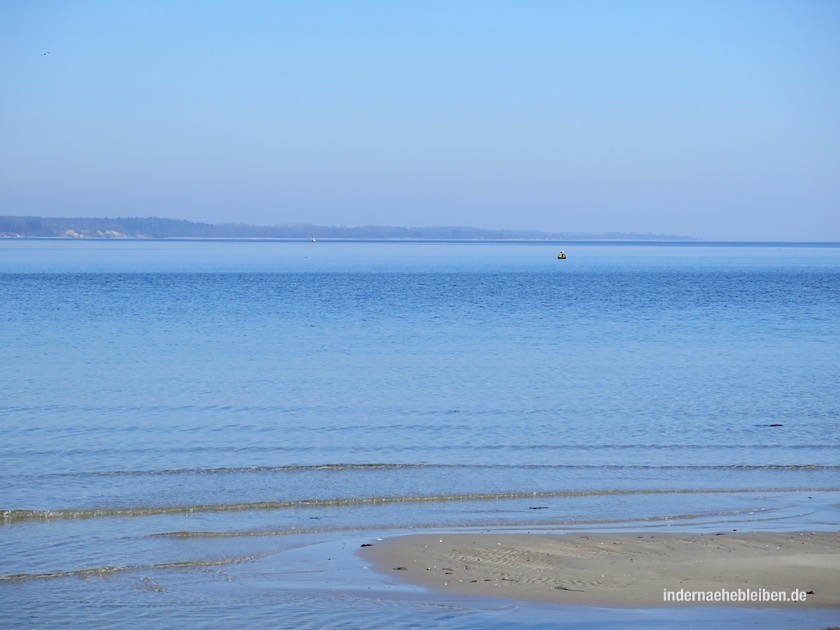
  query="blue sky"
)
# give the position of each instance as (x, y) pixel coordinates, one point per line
(715, 119)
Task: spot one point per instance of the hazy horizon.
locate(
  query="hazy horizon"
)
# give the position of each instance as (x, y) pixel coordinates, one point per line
(714, 120)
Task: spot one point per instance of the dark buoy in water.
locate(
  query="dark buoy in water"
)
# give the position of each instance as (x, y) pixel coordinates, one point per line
(561, 255)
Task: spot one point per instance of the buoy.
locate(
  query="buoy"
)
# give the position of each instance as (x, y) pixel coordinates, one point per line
(561, 256)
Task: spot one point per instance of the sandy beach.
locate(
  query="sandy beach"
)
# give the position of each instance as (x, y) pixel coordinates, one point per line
(640, 570)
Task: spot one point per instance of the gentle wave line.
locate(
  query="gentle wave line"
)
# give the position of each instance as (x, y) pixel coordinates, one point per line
(8, 517)
(410, 466)
(554, 523)
(105, 571)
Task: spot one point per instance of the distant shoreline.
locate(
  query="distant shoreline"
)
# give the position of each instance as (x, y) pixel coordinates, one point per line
(564, 242)
(158, 228)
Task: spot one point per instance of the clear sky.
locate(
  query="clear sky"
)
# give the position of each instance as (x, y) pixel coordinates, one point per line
(713, 119)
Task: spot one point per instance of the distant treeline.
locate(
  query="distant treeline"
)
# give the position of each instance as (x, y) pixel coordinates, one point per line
(151, 227)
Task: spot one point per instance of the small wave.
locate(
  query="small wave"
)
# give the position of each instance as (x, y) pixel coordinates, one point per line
(339, 467)
(720, 516)
(106, 571)
(17, 516)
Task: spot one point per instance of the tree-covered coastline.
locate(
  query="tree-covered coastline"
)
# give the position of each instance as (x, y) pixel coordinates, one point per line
(158, 228)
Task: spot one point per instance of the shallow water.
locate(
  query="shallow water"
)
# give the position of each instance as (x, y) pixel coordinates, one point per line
(178, 416)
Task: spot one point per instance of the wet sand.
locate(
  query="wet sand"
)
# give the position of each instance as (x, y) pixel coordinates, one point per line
(623, 570)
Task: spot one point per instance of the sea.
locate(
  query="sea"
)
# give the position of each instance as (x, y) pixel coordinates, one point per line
(202, 434)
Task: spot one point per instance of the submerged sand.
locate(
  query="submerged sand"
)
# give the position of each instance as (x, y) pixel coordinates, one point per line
(623, 570)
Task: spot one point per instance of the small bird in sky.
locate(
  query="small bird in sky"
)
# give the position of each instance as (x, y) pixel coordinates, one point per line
(45, 53)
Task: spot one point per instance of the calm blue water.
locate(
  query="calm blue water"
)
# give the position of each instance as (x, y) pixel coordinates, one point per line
(188, 429)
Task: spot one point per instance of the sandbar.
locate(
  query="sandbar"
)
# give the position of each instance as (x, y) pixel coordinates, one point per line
(635, 570)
